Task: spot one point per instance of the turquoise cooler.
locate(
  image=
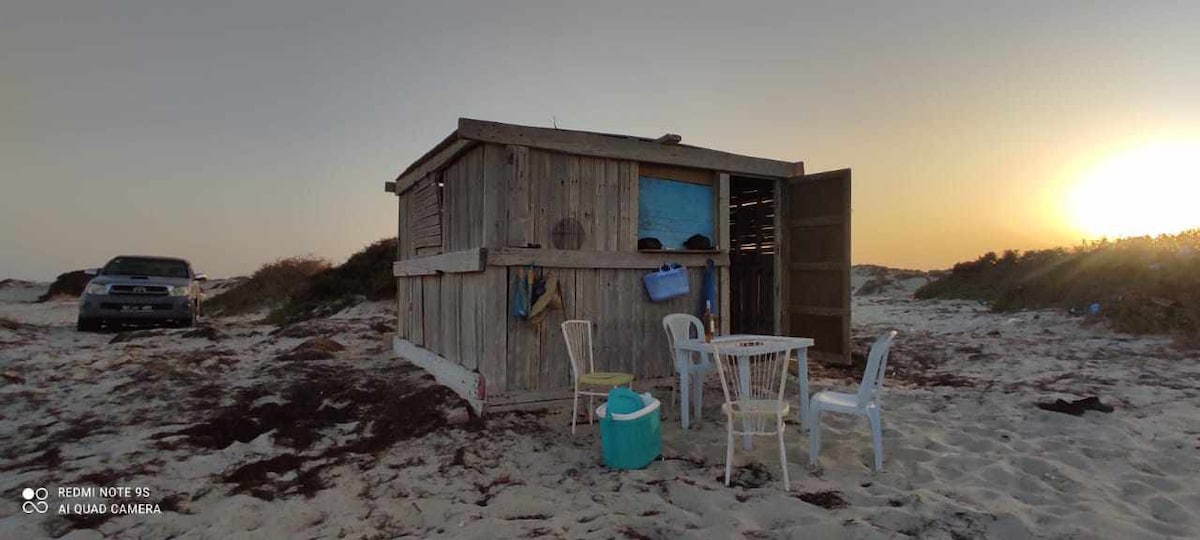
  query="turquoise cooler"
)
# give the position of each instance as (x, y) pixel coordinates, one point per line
(629, 431)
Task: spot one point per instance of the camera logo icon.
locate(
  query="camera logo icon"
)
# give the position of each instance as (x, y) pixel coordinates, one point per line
(35, 500)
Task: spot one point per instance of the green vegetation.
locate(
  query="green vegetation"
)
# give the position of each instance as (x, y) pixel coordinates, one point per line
(270, 286)
(300, 288)
(366, 275)
(1142, 285)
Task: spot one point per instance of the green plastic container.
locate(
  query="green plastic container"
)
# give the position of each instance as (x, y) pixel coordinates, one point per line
(629, 429)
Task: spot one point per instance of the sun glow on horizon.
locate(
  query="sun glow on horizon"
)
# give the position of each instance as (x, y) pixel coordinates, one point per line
(1150, 190)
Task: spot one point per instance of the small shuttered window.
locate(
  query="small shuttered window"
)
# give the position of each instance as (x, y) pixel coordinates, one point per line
(427, 215)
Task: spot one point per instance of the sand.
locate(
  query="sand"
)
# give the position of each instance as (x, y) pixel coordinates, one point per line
(968, 454)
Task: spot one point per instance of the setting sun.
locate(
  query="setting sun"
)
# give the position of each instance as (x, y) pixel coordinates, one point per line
(1149, 190)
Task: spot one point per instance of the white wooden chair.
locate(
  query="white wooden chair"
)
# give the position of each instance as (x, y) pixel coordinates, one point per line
(681, 326)
(753, 371)
(578, 336)
(863, 403)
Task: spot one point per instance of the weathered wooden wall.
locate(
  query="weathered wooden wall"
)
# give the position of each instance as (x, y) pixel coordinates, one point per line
(501, 197)
(628, 328)
(455, 314)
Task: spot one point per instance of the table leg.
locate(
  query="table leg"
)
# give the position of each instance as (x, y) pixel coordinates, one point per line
(684, 389)
(802, 381)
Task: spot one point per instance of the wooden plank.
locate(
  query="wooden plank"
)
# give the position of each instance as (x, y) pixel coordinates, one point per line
(815, 266)
(416, 311)
(427, 195)
(726, 313)
(520, 205)
(474, 186)
(495, 197)
(620, 147)
(401, 307)
(462, 206)
(465, 383)
(426, 231)
(608, 331)
(402, 228)
(679, 174)
(549, 180)
(428, 245)
(722, 211)
(561, 258)
(605, 231)
(543, 399)
(522, 344)
(469, 319)
(554, 365)
(572, 198)
(585, 207)
(450, 340)
(633, 299)
(546, 181)
(818, 311)
(526, 397)
(467, 260)
(451, 225)
(818, 221)
(493, 358)
(431, 320)
(433, 163)
(780, 285)
(427, 221)
(817, 245)
(626, 207)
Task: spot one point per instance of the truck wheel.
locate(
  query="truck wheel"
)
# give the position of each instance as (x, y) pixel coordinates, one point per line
(87, 325)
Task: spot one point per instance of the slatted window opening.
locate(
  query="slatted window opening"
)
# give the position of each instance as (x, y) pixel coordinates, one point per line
(427, 215)
(752, 252)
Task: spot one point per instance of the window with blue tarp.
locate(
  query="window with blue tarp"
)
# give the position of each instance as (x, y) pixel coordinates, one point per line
(673, 211)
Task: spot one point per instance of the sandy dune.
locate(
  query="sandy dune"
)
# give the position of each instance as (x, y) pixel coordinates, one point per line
(331, 450)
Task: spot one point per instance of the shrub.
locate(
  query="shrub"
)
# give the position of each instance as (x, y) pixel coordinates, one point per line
(365, 275)
(270, 286)
(1143, 284)
(67, 284)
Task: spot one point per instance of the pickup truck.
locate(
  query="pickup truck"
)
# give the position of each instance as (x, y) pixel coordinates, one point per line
(140, 290)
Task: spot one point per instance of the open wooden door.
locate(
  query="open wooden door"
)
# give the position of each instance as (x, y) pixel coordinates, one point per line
(815, 278)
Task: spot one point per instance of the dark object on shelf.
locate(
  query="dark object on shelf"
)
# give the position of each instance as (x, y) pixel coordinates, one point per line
(698, 241)
(649, 243)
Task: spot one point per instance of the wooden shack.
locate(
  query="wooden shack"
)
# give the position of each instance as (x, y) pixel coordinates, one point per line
(493, 199)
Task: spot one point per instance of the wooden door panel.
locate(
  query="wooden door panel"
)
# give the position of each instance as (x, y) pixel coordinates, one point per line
(817, 259)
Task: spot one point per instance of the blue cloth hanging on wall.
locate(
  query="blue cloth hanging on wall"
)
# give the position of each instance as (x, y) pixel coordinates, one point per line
(708, 291)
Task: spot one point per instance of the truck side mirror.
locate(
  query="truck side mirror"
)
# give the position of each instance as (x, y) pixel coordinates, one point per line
(92, 271)
(201, 276)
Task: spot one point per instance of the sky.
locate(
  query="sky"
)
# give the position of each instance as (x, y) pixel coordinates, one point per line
(234, 133)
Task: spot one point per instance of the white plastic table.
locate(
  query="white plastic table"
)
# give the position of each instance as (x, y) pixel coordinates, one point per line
(684, 348)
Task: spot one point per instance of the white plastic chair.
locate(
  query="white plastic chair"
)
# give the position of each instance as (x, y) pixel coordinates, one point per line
(863, 403)
(753, 372)
(578, 336)
(681, 326)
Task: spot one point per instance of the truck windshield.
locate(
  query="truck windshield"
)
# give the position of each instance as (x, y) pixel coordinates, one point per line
(146, 266)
